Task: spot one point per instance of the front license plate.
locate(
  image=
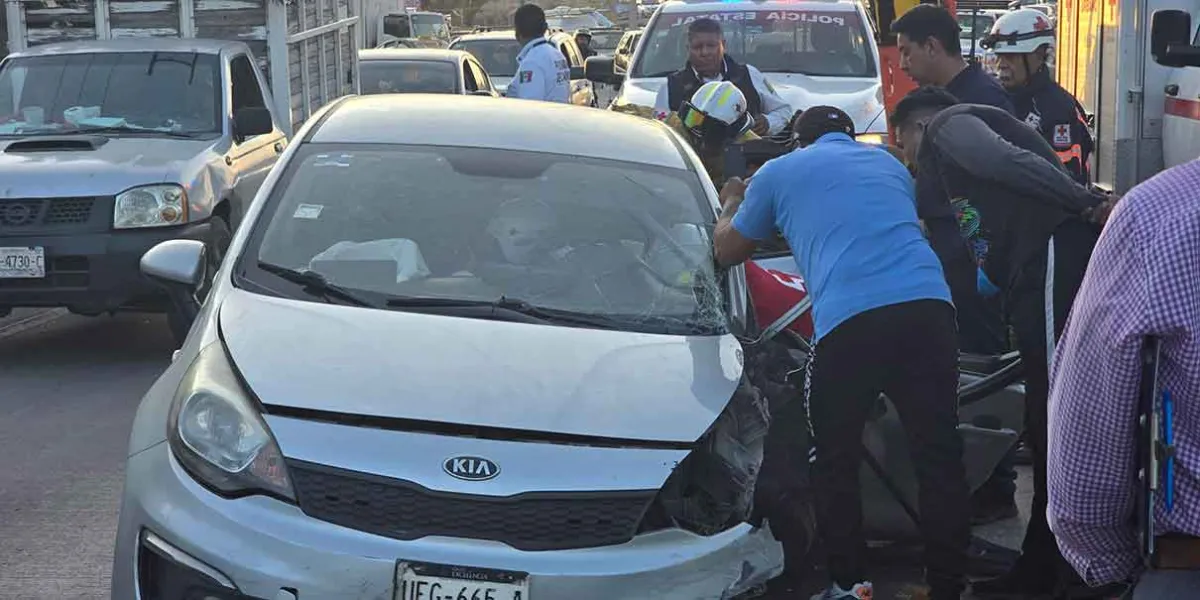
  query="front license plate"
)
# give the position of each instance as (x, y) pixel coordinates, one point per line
(22, 263)
(424, 581)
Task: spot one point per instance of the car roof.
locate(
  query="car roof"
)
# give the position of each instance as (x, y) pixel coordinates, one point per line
(508, 34)
(427, 54)
(498, 123)
(717, 6)
(147, 44)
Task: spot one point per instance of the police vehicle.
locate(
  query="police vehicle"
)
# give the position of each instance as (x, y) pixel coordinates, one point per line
(498, 49)
(812, 53)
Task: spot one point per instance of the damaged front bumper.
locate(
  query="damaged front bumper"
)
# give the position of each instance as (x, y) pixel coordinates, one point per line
(264, 548)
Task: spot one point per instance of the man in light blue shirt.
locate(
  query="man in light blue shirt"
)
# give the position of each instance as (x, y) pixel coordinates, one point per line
(884, 323)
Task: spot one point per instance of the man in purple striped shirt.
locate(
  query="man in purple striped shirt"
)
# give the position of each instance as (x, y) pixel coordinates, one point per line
(1143, 280)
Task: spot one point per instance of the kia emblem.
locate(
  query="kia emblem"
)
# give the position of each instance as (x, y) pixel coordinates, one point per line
(470, 468)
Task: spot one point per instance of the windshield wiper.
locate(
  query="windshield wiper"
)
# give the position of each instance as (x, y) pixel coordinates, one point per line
(316, 285)
(131, 129)
(507, 309)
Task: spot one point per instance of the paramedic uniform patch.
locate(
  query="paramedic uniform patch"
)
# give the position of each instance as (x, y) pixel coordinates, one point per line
(1034, 120)
(1062, 135)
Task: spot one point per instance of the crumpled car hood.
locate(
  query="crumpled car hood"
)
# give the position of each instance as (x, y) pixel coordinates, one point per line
(860, 97)
(477, 372)
(119, 164)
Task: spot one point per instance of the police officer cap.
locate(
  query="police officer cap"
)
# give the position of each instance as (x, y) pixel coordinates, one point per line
(820, 120)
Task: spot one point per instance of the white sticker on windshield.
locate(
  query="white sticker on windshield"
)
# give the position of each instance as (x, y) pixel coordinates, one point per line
(333, 160)
(308, 211)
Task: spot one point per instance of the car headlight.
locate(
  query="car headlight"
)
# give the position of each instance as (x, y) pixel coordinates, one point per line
(871, 138)
(150, 206)
(219, 436)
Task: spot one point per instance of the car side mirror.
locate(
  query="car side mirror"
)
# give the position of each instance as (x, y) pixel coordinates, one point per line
(599, 69)
(251, 121)
(1170, 39)
(488, 93)
(175, 263)
(578, 73)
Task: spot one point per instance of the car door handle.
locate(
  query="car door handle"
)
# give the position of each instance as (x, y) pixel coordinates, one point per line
(1172, 89)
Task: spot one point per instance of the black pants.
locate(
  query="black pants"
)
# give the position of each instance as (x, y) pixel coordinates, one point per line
(907, 351)
(980, 331)
(1039, 303)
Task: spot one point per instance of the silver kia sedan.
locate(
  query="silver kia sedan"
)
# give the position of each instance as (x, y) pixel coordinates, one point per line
(459, 350)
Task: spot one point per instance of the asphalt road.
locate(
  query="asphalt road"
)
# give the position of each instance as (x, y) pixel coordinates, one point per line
(68, 389)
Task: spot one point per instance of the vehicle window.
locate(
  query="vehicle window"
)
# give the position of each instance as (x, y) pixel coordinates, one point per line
(606, 41)
(397, 25)
(777, 41)
(433, 26)
(1196, 40)
(163, 91)
(499, 57)
(573, 22)
(974, 26)
(469, 83)
(613, 239)
(244, 82)
(411, 76)
(481, 77)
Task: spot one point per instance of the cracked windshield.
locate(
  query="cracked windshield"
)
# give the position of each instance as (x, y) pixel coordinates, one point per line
(622, 244)
(166, 92)
(779, 41)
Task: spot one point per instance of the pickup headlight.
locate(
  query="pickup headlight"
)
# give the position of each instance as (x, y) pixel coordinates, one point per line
(219, 436)
(150, 206)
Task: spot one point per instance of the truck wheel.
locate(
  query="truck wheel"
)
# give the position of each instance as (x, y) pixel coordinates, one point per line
(179, 321)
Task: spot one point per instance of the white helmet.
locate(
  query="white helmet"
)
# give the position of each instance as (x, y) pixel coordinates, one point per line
(717, 108)
(1021, 31)
(521, 228)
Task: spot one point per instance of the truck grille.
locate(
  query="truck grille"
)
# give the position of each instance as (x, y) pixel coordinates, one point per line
(403, 510)
(32, 212)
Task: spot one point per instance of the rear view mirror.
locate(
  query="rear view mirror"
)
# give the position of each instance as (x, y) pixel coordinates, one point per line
(599, 69)
(1170, 39)
(251, 121)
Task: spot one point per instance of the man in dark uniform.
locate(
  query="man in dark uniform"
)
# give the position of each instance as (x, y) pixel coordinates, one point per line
(707, 62)
(1021, 41)
(1042, 236)
(931, 53)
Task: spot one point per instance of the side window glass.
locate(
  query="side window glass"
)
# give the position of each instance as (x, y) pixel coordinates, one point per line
(468, 78)
(566, 52)
(1196, 40)
(244, 85)
(481, 77)
(246, 93)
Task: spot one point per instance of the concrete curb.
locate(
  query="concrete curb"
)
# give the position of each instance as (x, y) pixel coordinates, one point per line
(23, 324)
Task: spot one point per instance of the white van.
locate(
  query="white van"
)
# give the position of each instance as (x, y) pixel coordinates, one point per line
(839, 66)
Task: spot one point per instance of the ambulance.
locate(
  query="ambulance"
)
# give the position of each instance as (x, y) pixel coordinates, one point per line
(1140, 85)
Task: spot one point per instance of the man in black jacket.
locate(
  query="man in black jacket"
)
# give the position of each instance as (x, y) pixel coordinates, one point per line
(707, 62)
(1040, 239)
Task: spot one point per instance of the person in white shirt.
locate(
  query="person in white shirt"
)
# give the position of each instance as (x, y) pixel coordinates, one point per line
(542, 71)
(707, 62)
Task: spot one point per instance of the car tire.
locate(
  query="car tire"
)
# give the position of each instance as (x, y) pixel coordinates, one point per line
(219, 237)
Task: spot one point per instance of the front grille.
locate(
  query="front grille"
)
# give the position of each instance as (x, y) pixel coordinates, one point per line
(404, 510)
(32, 212)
